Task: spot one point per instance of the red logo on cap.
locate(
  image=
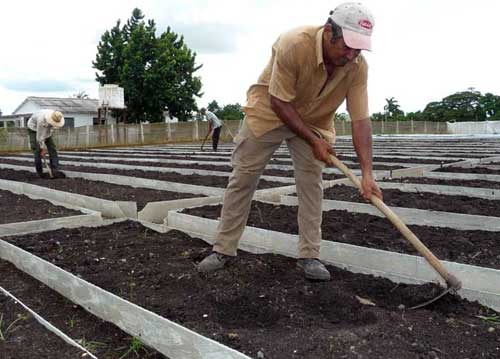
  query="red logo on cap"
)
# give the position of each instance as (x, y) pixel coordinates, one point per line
(365, 24)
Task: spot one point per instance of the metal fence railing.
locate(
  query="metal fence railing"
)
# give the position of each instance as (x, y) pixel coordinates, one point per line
(16, 139)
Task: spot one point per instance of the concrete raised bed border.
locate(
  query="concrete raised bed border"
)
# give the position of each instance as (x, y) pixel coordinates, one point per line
(479, 283)
(111, 209)
(421, 217)
(47, 325)
(42, 225)
(169, 338)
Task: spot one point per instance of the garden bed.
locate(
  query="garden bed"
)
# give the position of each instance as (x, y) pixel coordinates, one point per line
(22, 336)
(469, 247)
(207, 167)
(477, 170)
(97, 189)
(102, 339)
(421, 200)
(200, 180)
(447, 182)
(20, 208)
(261, 305)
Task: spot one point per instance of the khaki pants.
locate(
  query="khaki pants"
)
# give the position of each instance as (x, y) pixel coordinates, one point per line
(249, 158)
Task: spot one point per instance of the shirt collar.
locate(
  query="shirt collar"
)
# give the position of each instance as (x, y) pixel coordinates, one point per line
(319, 46)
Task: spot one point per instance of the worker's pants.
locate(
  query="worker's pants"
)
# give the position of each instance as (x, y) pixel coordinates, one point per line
(215, 137)
(249, 158)
(51, 148)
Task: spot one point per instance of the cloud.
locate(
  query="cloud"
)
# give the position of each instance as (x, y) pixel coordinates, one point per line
(38, 85)
(209, 38)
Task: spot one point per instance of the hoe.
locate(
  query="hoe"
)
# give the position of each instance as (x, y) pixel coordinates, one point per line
(452, 282)
(203, 144)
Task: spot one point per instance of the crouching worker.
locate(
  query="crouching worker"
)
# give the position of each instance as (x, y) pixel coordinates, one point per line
(41, 126)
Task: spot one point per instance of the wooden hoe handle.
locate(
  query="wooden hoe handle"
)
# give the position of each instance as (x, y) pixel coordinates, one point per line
(450, 279)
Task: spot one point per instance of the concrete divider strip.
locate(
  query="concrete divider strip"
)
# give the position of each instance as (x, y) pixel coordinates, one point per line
(169, 338)
(156, 212)
(47, 325)
(478, 283)
(413, 216)
(9, 229)
(133, 181)
(182, 171)
(107, 208)
(463, 176)
(486, 193)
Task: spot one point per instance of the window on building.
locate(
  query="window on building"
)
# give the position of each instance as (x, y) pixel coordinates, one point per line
(69, 122)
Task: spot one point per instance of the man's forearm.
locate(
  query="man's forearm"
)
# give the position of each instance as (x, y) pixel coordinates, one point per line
(362, 141)
(289, 115)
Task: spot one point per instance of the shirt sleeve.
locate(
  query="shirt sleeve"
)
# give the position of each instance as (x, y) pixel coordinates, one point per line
(284, 70)
(357, 94)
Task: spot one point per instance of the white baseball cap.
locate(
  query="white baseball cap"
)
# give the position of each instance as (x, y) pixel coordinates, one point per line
(357, 24)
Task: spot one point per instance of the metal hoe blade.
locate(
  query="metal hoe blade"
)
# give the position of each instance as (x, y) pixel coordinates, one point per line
(448, 290)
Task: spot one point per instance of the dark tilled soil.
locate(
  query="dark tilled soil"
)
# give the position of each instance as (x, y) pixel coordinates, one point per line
(478, 170)
(97, 189)
(397, 159)
(447, 182)
(470, 247)
(421, 200)
(200, 180)
(20, 208)
(262, 302)
(412, 160)
(267, 172)
(24, 337)
(101, 338)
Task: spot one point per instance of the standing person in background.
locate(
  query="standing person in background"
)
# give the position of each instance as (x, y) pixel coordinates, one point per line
(41, 126)
(214, 124)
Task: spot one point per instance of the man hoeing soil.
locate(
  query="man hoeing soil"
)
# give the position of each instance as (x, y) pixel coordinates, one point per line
(41, 126)
(311, 72)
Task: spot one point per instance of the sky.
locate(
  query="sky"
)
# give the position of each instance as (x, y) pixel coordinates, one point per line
(423, 50)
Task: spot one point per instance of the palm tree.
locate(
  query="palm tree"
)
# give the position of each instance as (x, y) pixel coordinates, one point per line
(392, 108)
(81, 95)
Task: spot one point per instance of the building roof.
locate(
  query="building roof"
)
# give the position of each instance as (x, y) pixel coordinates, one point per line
(65, 105)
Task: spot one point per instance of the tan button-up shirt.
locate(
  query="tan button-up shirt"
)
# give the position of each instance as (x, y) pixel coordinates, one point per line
(296, 74)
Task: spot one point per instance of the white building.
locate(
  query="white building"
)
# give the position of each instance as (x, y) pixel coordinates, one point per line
(77, 112)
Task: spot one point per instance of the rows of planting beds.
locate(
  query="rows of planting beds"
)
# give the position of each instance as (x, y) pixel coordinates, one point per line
(102, 339)
(200, 180)
(477, 170)
(420, 200)
(97, 189)
(208, 167)
(20, 208)
(470, 247)
(447, 182)
(261, 305)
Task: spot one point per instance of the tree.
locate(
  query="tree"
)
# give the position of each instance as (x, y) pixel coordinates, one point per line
(490, 104)
(109, 58)
(342, 116)
(82, 94)
(378, 116)
(392, 108)
(213, 106)
(231, 112)
(461, 106)
(157, 73)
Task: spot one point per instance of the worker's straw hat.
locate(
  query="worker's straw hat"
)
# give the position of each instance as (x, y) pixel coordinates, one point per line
(55, 119)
